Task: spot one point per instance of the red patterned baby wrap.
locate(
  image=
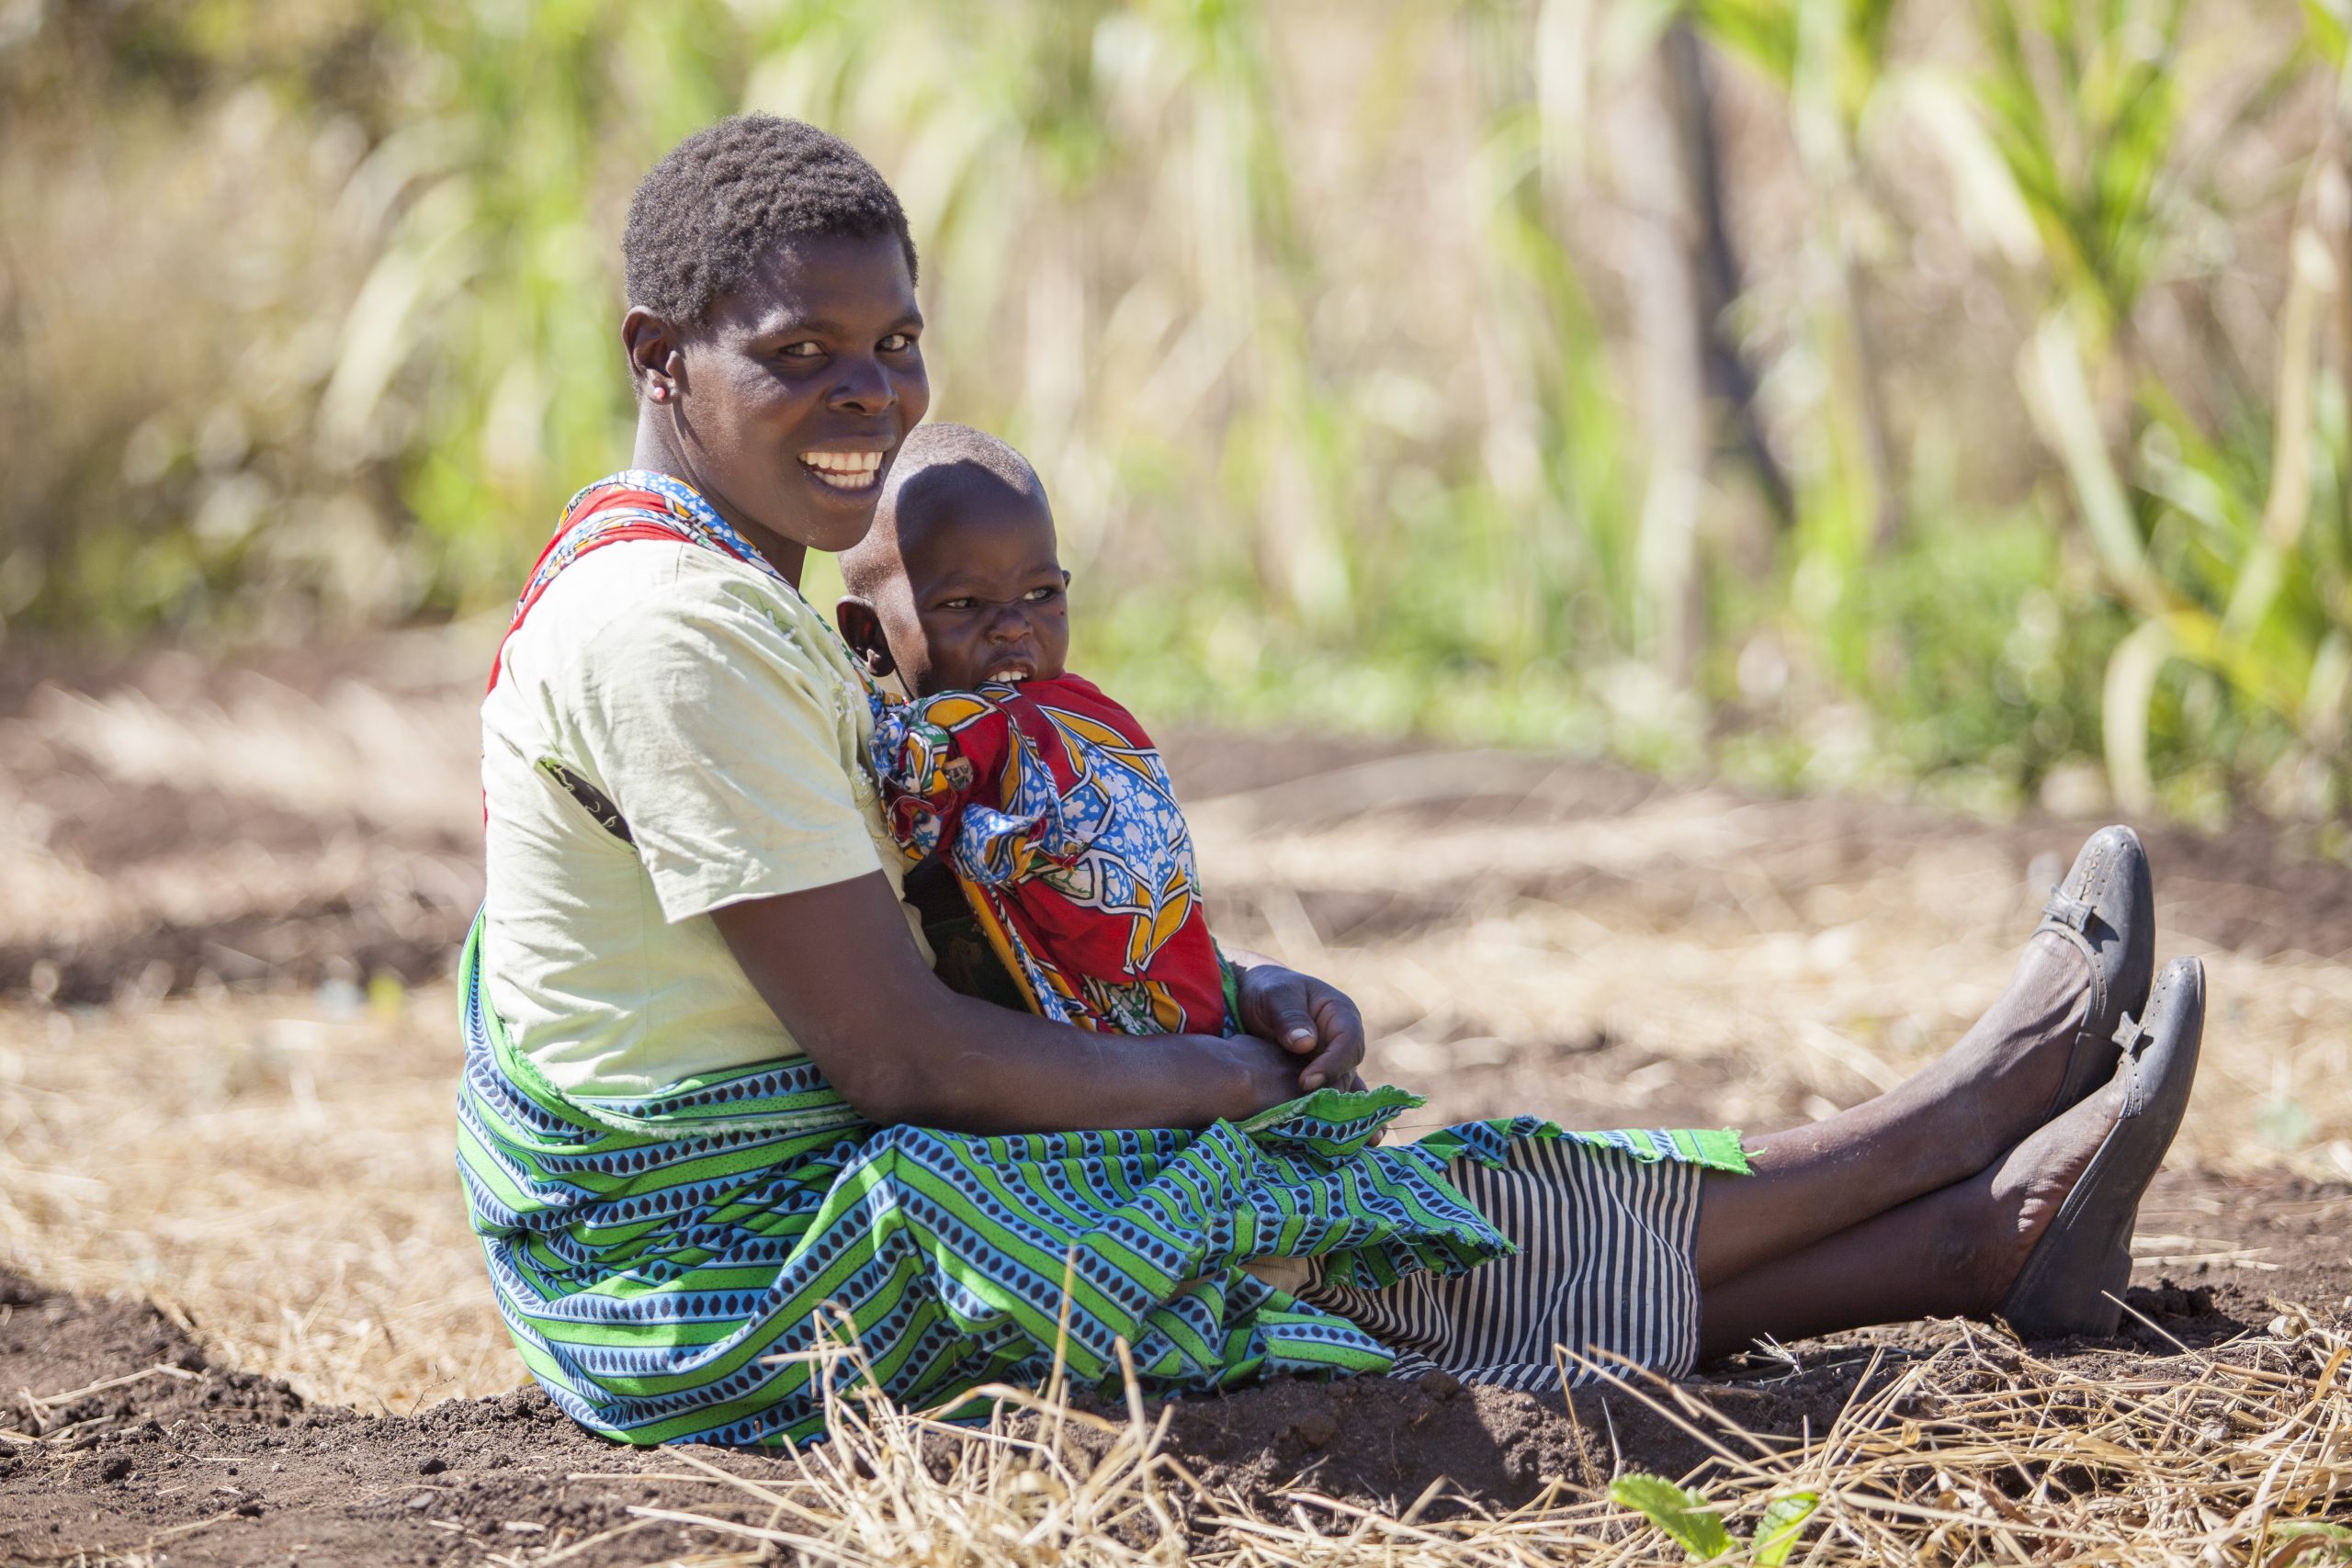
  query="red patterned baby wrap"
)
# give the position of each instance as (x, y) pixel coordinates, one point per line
(1050, 804)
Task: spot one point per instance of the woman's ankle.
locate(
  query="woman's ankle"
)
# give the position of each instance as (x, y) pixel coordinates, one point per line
(2024, 1194)
(1981, 1247)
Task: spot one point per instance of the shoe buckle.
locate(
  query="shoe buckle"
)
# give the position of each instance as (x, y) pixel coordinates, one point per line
(2069, 912)
(2131, 1035)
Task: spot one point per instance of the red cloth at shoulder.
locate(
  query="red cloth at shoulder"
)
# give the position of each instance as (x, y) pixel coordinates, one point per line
(613, 514)
(1102, 922)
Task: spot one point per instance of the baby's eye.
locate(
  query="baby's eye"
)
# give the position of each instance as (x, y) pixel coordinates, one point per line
(1044, 592)
(956, 603)
(801, 350)
(897, 342)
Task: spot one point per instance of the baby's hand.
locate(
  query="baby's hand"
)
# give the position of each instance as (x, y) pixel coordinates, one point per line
(1305, 1016)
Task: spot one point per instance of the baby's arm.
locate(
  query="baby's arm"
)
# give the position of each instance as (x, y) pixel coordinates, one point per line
(960, 779)
(926, 779)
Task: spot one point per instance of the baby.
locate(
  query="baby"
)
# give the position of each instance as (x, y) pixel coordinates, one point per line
(1044, 798)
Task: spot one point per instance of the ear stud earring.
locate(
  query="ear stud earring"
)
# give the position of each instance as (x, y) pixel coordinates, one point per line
(660, 393)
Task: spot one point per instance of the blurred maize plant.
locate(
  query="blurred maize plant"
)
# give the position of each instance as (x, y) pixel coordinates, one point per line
(2226, 536)
(1843, 391)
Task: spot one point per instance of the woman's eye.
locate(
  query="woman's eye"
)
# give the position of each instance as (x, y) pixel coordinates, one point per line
(897, 342)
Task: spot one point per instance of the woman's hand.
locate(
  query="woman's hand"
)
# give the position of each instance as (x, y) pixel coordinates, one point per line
(1305, 1016)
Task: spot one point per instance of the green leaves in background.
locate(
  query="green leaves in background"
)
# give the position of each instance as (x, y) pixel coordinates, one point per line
(1762, 384)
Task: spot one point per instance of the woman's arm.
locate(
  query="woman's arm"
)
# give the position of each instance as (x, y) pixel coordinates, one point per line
(844, 976)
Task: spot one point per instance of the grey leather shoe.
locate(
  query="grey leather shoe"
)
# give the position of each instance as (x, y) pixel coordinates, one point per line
(2106, 905)
(2074, 1279)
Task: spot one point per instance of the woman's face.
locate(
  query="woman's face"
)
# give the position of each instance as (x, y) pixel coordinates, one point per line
(789, 403)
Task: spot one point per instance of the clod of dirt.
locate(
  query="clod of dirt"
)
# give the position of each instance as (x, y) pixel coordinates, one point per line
(1316, 1431)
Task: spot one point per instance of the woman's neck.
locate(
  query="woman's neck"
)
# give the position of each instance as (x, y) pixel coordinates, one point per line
(655, 450)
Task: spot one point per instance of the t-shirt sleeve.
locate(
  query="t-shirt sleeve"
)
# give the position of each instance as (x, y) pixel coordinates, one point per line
(717, 735)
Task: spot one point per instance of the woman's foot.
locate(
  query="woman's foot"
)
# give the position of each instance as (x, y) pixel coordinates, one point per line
(2048, 1040)
(1948, 1124)
(2060, 1208)
(2105, 910)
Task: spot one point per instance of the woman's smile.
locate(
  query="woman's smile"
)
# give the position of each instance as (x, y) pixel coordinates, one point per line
(852, 472)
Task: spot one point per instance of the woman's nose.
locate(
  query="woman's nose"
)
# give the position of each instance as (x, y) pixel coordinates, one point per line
(866, 387)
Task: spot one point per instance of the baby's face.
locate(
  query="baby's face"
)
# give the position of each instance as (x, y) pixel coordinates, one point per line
(984, 593)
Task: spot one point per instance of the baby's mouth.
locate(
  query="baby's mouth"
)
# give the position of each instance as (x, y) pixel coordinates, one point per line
(851, 471)
(1011, 671)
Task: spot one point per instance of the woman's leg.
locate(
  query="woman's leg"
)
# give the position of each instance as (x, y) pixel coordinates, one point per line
(1944, 1124)
(1952, 1252)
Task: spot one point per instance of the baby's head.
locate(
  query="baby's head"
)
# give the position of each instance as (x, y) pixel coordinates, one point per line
(958, 582)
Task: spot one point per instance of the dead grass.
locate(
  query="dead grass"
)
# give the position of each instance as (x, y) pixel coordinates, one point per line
(280, 1177)
(277, 1169)
(1977, 1453)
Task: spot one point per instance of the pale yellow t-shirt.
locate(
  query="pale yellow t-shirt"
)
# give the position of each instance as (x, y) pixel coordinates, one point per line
(711, 705)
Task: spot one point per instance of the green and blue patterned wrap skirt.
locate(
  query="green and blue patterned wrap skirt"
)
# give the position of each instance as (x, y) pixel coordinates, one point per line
(660, 1260)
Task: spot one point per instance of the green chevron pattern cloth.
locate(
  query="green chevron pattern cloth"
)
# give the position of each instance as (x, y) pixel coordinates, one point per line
(661, 1262)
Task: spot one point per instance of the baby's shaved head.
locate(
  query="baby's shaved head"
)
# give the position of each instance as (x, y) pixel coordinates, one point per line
(937, 464)
(959, 582)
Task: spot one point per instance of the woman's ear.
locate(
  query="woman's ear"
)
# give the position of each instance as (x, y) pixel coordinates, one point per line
(861, 629)
(656, 368)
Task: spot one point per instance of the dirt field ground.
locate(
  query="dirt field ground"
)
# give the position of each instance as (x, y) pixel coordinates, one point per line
(241, 1319)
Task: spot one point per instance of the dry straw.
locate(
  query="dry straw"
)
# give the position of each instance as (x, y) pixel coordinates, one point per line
(279, 1170)
(1975, 1452)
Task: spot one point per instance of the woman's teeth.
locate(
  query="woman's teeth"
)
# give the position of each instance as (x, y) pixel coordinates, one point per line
(844, 471)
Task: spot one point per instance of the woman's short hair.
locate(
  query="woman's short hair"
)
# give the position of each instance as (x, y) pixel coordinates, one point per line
(727, 195)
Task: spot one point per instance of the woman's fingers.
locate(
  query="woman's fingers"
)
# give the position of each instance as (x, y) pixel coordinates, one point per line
(1307, 1018)
(1278, 1008)
(1339, 1031)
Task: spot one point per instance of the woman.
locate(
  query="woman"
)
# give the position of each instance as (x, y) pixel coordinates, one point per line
(716, 1104)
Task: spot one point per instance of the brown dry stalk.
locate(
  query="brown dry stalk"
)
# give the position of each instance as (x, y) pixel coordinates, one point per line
(1975, 1452)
